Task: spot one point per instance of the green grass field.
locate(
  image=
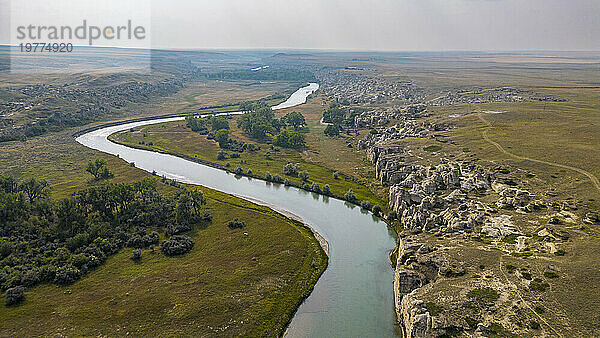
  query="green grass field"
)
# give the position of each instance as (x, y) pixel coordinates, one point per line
(230, 284)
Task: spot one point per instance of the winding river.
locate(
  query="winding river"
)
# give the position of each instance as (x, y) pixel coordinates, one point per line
(354, 296)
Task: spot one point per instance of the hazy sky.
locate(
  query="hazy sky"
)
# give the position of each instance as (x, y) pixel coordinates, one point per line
(402, 25)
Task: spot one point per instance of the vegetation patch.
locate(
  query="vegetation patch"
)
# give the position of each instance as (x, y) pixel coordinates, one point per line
(433, 149)
(433, 308)
(538, 285)
(483, 296)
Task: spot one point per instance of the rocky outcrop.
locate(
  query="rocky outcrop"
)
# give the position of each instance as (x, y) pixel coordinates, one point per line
(417, 265)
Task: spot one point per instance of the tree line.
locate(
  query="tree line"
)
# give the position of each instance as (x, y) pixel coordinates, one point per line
(259, 123)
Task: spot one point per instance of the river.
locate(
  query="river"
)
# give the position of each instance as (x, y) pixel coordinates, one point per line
(354, 296)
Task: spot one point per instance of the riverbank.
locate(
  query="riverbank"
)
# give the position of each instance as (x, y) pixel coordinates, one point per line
(322, 241)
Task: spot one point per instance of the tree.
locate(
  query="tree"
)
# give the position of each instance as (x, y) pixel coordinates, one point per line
(246, 106)
(136, 255)
(197, 198)
(15, 295)
(218, 123)
(258, 121)
(294, 119)
(291, 169)
(303, 175)
(222, 136)
(332, 130)
(315, 188)
(289, 139)
(235, 224)
(177, 245)
(183, 208)
(35, 189)
(349, 196)
(196, 124)
(326, 190)
(99, 170)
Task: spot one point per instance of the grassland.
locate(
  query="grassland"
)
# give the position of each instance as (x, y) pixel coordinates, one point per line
(234, 282)
(548, 148)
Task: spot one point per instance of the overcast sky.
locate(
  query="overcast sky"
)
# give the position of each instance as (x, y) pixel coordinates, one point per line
(398, 25)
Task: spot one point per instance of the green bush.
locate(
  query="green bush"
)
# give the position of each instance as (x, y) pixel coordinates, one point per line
(484, 295)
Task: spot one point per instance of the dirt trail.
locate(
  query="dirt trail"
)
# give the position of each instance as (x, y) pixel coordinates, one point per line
(524, 302)
(592, 178)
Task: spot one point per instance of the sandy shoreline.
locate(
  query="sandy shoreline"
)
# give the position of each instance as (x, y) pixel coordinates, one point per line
(322, 241)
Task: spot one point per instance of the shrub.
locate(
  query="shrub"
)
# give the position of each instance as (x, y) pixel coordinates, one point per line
(227, 165)
(291, 169)
(15, 295)
(287, 182)
(151, 239)
(560, 252)
(392, 215)
(67, 274)
(433, 308)
(80, 261)
(236, 224)
(326, 190)
(365, 205)
(550, 274)
(336, 175)
(239, 170)
(376, 209)
(315, 187)
(99, 170)
(136, 241)
(219, 123)
(77, 241)
(222, 137)
(349, 196)
(303, 175)
(268, 176)
(47, 273)
(332, 130)
(534, 325)
(221, 155)
(31, 277)
(177, 245)
(483, 295)
(510, 268)
(235, 155)
(249, 172)
(172, 229)
(277, 179)
(538, 285)
(289, 139)
(137, 255)
(433, 148)
(104, 245)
